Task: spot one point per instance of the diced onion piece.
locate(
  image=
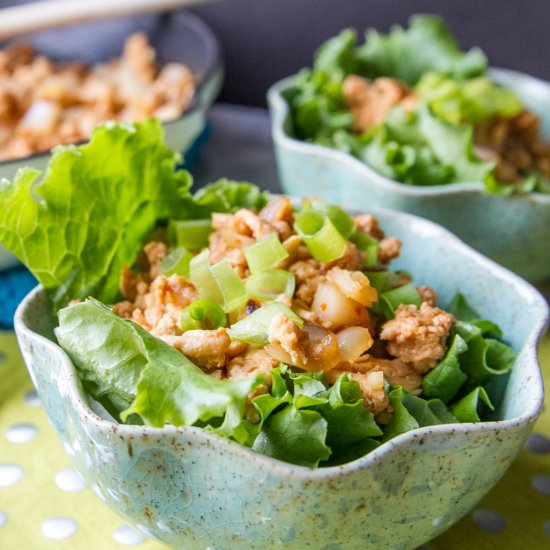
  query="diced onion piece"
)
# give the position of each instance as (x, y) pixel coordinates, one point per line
(354, 285)
(271, 284)
(320, 347)
(253, 328)
(204, 315)
(176, 262)
(323, 240)
(335, 310)
(265, 253)
(353, 342)
(191, 234)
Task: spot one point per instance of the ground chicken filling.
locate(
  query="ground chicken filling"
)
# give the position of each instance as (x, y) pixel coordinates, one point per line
(513, 142)
(340, 332)
(43, 104)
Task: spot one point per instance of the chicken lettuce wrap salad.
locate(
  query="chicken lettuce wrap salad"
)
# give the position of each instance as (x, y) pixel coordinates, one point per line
(418, 110)
(276, 324)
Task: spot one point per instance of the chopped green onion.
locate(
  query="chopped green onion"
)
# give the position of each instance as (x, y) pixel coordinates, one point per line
(218, 282)
(323, 240)
(203, 314)
(192, 234)
(230, 284)
(339, 217)
(253, 328)
(176, 262)
(270, 284)
(203, 279)
(265, 253)
(368, 245)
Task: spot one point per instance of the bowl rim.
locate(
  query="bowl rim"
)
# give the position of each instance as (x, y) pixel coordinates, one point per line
(537, 302)
(190, 20)
(280, 116)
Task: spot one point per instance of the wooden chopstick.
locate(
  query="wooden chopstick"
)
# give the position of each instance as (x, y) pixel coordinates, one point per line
(39, 16)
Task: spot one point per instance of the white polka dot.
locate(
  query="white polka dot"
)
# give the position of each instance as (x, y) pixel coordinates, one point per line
(542, 484)
(127, 536)
(538, 443)
(3, 518)
(489, 521)
(59, 528)
(69, 480)
(547, 527)
(31, 398)
(10, 474)
(21, 433)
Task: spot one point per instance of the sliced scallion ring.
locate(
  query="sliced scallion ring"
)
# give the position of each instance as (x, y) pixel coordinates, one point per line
(265, 253)
(254, 327)
(324, 242)
(270, 284)
(191, 234)
(203, 314)
(176, 262)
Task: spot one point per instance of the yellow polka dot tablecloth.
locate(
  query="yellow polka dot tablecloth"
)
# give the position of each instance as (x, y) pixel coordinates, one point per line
(44, 503)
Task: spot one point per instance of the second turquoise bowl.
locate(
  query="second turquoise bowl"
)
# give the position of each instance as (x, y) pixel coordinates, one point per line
(511, 230)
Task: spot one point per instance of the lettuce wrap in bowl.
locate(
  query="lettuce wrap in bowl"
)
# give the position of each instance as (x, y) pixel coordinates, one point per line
(407, 121)
(227, 369)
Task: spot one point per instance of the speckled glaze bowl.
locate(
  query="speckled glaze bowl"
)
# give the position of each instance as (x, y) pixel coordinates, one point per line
(511, 230)
(196, 491)
(178, 37)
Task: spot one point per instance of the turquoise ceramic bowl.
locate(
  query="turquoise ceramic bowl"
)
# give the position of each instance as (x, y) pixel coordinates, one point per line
(180, 37)
(196, 491)
(511, 230)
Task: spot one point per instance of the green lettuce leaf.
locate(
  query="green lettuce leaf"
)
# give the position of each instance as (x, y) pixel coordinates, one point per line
(467, 409)
(472, 101)
(427, 45)
(446, 379)
(224, 195)
(411, 412)
(294, 435)
(87, 218)
(131, 372)
(322, 424)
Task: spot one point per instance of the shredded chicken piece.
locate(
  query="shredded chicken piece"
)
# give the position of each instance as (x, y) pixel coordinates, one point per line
(155, 252)
(43, 104)
(396, 371)
(428, 295)
(157, 307)
(369, 224)
(390, 247)
(516, 143)
(220, 250)
(370, 102)
(253, 361)
(284, 333)
(308, 277)
(206, 348)
(417, 336)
